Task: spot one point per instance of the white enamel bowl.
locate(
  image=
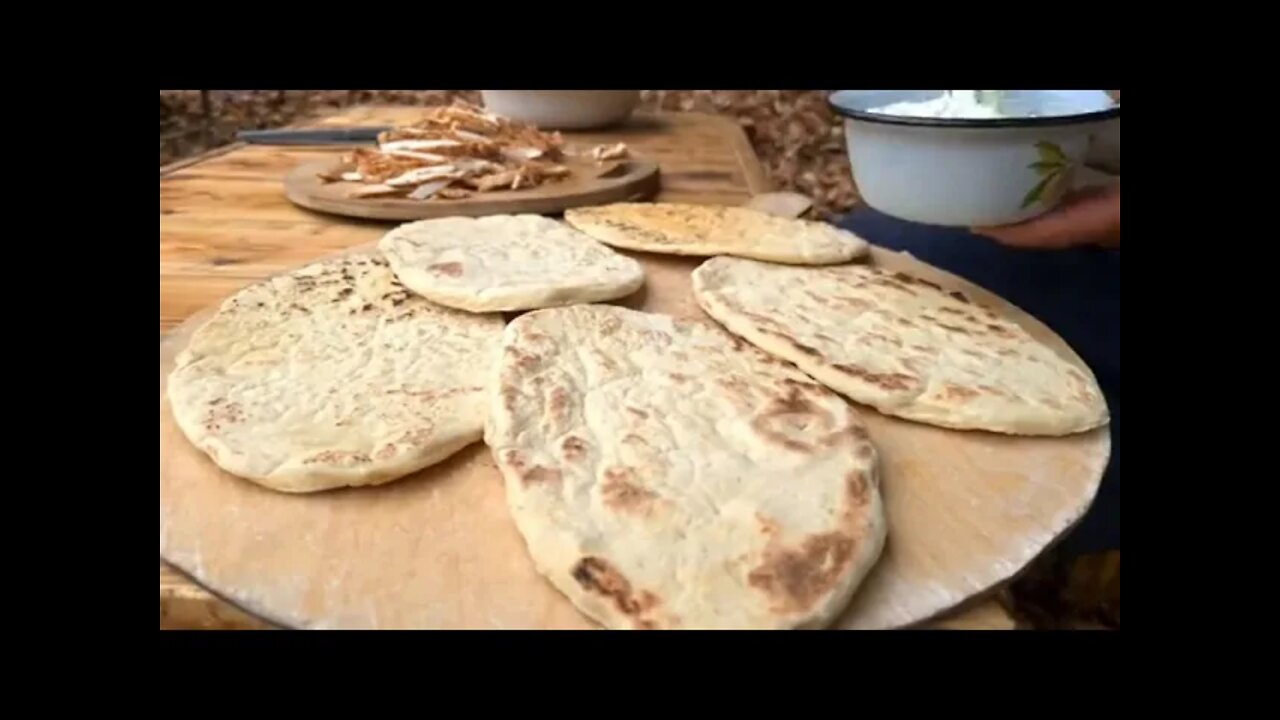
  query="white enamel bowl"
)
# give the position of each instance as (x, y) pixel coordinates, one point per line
(563, 109)
(970, 172)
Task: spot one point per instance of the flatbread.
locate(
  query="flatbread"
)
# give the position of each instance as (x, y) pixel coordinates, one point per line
(704, 230)
(903, 345)
(331, 375)
(667, 475)
(507, 263)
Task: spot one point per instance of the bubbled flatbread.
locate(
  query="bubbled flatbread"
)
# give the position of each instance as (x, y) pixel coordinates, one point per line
(666, 475)
(332, 375)
(903, 345)
(704, 230)
(507, 263)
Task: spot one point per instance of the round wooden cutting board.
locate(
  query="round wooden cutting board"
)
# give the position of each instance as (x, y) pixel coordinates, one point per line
(590, 184)
(966, 511)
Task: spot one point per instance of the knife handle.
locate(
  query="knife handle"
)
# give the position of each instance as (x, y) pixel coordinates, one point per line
(318, 136)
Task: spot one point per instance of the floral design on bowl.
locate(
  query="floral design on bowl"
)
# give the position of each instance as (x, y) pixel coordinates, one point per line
(1055, 171)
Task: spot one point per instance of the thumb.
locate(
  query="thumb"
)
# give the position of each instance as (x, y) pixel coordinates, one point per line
(1087, 216)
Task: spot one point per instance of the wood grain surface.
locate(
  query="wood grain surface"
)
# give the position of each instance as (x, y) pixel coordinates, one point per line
(225, 222)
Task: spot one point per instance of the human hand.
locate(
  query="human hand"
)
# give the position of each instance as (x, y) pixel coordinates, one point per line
(1089, 216)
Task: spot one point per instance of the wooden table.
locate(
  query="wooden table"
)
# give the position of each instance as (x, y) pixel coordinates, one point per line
(225, 222)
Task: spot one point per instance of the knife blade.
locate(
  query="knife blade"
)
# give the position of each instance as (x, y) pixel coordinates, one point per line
(313, 136)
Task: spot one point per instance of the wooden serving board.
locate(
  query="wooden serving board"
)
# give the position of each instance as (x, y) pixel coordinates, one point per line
(966, 511)
(589, 184)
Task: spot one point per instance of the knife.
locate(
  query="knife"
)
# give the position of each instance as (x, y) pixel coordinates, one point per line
(313, 136)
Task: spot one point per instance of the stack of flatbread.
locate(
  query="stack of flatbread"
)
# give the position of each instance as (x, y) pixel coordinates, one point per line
(664, 473)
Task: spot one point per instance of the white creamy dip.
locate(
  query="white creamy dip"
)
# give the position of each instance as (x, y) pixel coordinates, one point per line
(974, 104)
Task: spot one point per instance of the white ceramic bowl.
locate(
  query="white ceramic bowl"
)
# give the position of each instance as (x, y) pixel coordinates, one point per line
(970, 172)
(563, 109)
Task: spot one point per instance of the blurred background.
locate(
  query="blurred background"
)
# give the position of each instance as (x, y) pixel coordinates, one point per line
(801, 144)
(798, 139)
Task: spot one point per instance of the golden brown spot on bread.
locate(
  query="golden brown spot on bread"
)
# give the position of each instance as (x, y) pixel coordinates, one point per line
(559, 402)
(858, 486)
(451, 269)
(509, 397)
(637, 412)
(913, 280)
(738, 392)
(538, 475)
(792, 413)
(735, 385)
(621, 491)
(419, 437)
(795, 579)
(953, 328)
(957, 392)
(338, 457)
(852, 303)
(658, 337)
(817, 298)
(951, 310)
(886, 339)
(609, 326)
(999, 330)
(956, 294)
(604, 360)
(573, 448)
(218, 414)
(523, 360)
(768, 527)
(887, 381)
(680, 378)
(596, 575)
(895, 286)
(514, 459)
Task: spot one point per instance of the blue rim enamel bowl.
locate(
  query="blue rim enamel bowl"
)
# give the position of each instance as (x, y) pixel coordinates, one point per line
(968, 172)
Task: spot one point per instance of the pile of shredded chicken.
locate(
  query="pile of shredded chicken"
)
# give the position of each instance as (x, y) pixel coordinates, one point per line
(452, 152)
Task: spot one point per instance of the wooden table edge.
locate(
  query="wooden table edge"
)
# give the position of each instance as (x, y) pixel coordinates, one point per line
(185, 604)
